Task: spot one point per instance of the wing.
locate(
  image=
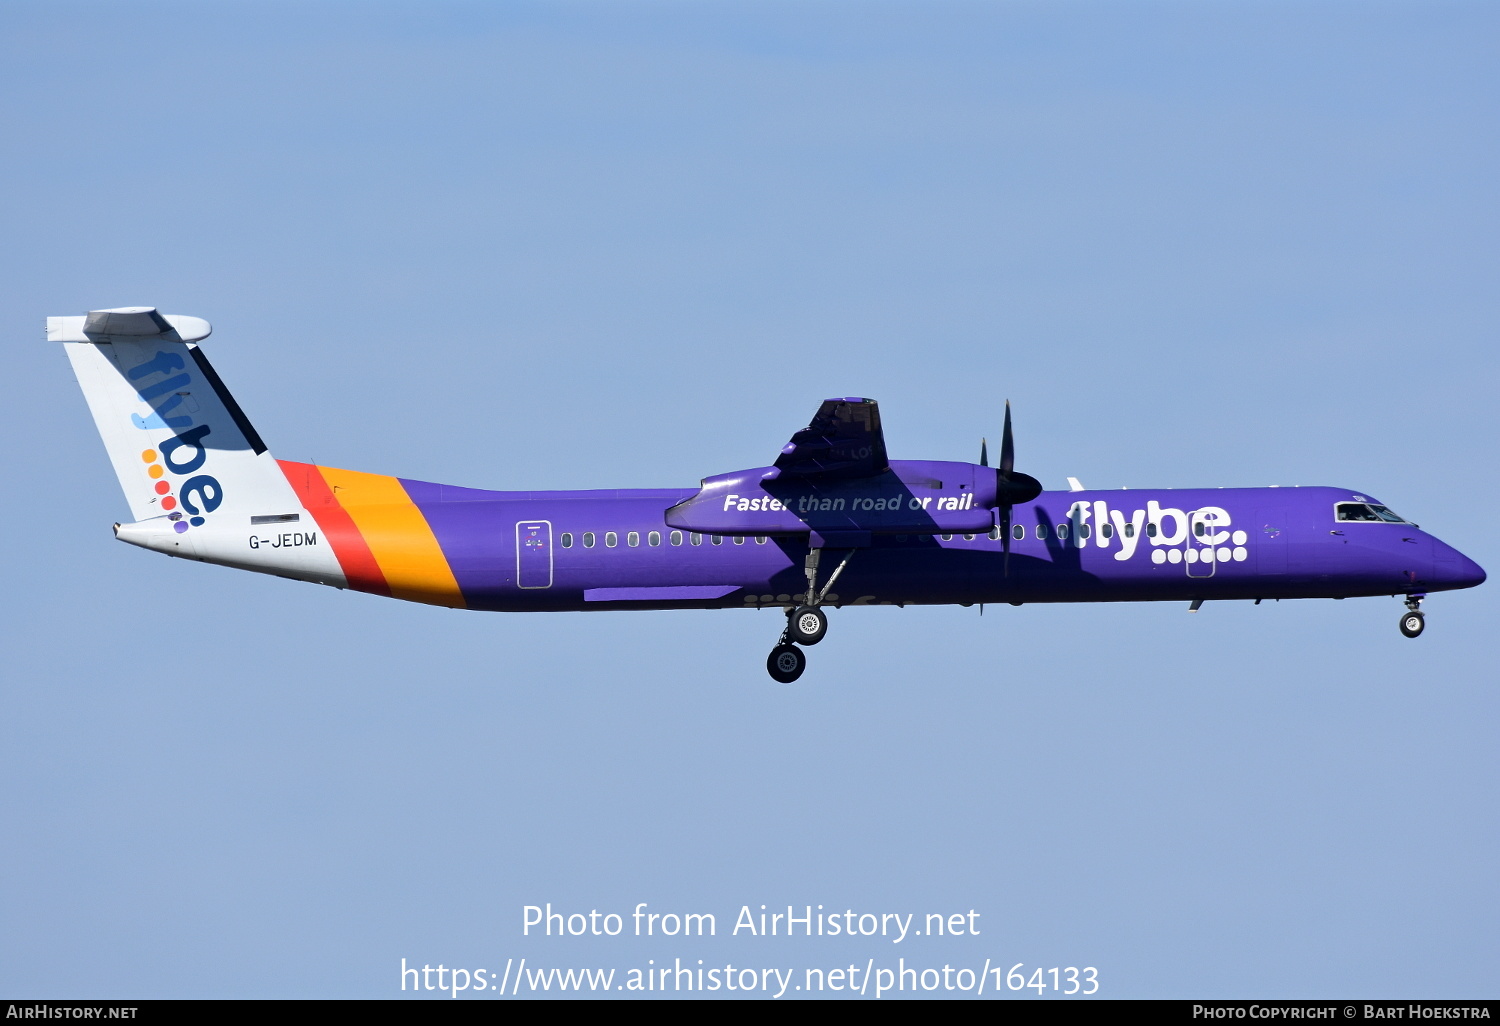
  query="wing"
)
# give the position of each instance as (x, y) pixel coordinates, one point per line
(843, 440)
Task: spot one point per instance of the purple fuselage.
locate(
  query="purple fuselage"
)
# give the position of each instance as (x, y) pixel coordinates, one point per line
(636, 548)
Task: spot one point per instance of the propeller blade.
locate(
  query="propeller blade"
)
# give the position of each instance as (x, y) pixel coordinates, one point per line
(1011, 487)
(1007, 446)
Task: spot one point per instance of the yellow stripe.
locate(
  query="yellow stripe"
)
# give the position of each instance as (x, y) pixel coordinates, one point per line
(399, 536)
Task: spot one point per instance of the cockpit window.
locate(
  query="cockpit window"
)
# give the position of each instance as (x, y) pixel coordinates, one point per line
(1367, 512)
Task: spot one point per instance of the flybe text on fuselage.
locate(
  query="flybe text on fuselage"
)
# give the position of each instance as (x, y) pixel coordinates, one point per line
(837, 504)
(1093, 522)
(911, 497)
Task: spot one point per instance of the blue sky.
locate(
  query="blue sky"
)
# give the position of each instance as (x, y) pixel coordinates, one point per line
(599, 245)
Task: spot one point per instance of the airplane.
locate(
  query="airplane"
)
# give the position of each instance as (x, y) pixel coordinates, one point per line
(832, 522)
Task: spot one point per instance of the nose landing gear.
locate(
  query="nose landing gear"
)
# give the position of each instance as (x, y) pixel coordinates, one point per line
(806, 624)
(1412, 621)
(785, 663)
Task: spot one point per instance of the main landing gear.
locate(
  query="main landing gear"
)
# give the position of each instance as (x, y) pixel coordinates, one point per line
(1412, 621)
(806, 624)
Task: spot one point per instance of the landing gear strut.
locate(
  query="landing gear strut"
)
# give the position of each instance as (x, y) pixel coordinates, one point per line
(806, 624)
(1412, 621)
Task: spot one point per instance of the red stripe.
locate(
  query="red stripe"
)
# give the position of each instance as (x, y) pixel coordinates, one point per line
(354, 555)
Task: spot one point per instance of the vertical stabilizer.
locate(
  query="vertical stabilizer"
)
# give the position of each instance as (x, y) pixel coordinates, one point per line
(179, 442)
(195, 472)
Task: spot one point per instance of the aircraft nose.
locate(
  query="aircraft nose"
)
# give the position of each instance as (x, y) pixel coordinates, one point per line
(1453, 569)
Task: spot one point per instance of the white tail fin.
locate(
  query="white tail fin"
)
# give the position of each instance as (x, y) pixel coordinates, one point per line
(180, 444)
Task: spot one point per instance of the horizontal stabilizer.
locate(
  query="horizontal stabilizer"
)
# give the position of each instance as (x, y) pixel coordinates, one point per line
(127, 322)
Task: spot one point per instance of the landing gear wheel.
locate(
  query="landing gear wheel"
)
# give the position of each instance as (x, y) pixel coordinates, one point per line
(807, 625)
(1412, 623)
(786, 663)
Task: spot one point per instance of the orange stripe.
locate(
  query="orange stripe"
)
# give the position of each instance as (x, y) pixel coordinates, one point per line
(354, 556)
(398, 535)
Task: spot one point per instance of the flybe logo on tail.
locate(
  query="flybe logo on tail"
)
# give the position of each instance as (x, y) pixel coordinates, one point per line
(161, 416)
(182, 455)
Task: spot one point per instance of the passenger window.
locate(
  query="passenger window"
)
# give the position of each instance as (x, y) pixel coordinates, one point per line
(1198, 528)
(1018, 532)
(567, 540)
(761, 539)
(675, 537)
(739, 539)
(1150, 530)
(611, 539)
(947, 537)
(718, 539)
(633, 539)
(697, 538)
(1062, 531)
(1084, 530)
(1108, 530)
(994, 534)
(1130, 530)
(1041, 531)
(588, 539)
(654, 538)
(968, 537)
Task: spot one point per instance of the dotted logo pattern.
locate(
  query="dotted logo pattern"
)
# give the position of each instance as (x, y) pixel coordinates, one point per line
(156, 472)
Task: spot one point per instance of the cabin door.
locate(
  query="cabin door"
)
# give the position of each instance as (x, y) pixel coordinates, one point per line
(1199, 556)
(534, 554)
